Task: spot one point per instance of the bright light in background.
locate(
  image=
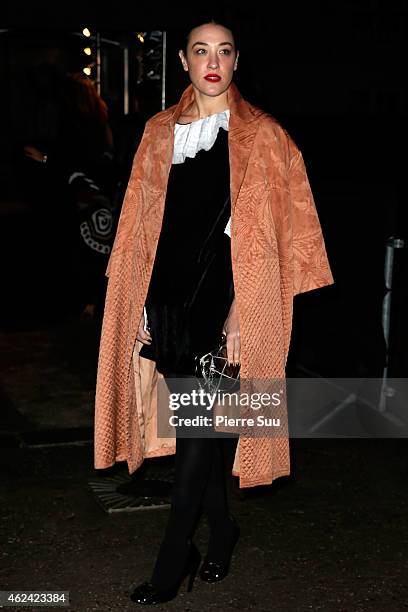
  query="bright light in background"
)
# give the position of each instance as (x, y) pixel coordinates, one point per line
(86, 32)
(88, 51)
(140, 36)
(87, 70)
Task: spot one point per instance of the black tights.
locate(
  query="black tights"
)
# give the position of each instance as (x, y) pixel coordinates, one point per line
(199, 481)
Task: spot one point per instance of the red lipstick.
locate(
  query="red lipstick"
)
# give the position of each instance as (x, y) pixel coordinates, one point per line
(213, 78)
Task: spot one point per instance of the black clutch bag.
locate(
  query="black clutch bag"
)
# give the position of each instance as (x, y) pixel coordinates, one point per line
(214, 372)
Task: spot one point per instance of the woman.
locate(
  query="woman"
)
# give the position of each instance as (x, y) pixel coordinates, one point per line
(219, 201)
(79, 163)
(86, 155)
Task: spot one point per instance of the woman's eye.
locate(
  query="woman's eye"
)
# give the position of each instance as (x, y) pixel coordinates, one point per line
(226, 51)
(200, 51)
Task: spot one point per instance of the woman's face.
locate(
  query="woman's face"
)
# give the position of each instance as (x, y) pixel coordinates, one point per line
(211, 59)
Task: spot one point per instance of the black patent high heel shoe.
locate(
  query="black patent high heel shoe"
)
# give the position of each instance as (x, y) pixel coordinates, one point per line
(147, 594)
(214, 570)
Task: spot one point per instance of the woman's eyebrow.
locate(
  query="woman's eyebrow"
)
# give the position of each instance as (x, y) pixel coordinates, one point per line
(206, 44)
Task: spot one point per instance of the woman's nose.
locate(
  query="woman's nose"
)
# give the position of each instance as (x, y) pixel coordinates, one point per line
(213, 62)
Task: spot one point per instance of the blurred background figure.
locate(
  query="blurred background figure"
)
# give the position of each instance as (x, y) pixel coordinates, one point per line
(81, 169)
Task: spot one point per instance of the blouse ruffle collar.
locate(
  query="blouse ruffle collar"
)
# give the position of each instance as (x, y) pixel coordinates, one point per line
(201, 134)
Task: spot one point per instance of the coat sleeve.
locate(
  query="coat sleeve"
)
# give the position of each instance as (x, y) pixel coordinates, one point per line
(311, 268)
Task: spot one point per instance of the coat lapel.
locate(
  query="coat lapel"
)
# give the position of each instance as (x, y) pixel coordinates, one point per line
(243, 126)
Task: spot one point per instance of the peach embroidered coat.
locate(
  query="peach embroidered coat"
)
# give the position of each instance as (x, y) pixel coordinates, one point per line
(277, 251)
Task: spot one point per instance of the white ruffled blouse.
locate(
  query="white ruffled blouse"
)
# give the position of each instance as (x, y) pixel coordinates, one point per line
(192, 137)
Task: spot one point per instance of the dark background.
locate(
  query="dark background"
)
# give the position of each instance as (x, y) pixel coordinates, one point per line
(333, 74)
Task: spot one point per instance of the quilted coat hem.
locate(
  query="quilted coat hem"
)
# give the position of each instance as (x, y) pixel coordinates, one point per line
(161, 452)
(266, 480)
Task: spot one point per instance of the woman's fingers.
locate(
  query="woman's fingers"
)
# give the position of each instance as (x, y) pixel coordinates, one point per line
(233, 348)
(231, 330)
(237, 350)
(144, 336)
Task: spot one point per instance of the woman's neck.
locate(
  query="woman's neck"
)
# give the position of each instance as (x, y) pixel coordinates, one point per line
(203, 106)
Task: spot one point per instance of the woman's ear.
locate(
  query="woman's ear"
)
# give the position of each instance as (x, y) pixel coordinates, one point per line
(236, 61)
(183, 60)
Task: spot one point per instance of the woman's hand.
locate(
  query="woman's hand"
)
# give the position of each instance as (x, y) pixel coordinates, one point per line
(35, 154)
(231, 330)
(142, 335)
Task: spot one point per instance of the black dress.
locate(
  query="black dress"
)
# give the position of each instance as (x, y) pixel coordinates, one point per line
(191, 287)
